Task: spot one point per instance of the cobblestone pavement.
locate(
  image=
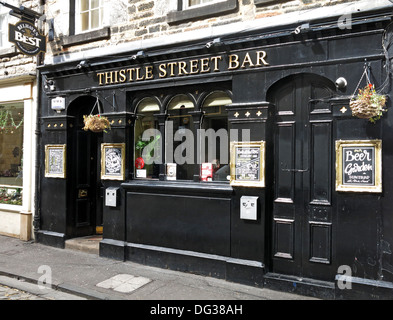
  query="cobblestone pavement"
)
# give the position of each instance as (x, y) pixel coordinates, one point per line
(7, 293)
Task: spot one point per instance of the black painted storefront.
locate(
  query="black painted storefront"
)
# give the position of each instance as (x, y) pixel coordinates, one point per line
(305, 229)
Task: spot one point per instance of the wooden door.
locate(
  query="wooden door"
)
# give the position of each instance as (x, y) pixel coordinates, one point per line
(303, 178)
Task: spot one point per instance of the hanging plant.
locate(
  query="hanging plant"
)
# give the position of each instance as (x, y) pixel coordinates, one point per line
(96, 123)
(368, 104)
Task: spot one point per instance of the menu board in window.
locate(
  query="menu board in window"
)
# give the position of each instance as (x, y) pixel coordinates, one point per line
(359, 165)
(248, 164)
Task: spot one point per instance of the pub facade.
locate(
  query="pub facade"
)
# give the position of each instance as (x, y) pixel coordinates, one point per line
(232, 150)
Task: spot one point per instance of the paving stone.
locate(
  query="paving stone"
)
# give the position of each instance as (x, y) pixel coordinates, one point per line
(124, 283)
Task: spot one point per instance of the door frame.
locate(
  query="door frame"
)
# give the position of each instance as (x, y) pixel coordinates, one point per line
(83, 105)
(310, 226)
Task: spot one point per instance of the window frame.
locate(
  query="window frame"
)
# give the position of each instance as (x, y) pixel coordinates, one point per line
(77, 38)
(218, 7)
(79, 12)
(162, 116)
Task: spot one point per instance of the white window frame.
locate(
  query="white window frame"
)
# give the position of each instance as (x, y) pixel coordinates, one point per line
(4, 21)
(78, 16)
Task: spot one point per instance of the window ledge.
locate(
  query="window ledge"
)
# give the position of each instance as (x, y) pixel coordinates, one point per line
(8, 52)
(202, 12)
(267, 2)
(86, 37)
(10, 208)
(179, 187)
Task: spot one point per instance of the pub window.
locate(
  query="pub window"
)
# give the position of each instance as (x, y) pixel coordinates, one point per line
(215, 144)
(145, 166)
(11, 153)
(179, 153)
(89, 15)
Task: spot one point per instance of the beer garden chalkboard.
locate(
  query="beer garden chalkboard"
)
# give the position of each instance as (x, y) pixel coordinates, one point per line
(359, 166)
(248, 164)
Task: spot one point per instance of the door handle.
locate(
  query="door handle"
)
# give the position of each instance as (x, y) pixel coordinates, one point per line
(294, 170)
(291, 170)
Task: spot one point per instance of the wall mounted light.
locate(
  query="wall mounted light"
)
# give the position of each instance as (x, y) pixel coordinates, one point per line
(83, 64)
(216, 42)
(341, 83)
(302, 28)
(139, 55)
(50, 85)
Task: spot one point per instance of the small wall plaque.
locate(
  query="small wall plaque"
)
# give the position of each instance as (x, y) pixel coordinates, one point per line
(55, 161)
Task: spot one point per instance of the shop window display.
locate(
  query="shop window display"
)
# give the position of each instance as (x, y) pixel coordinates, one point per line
(11, 153)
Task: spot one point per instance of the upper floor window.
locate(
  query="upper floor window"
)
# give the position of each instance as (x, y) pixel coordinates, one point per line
(189, 10)
(89, 15)
(194, 3)
(3, 30)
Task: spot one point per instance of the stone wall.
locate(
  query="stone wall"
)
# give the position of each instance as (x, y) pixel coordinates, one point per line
(136, 20)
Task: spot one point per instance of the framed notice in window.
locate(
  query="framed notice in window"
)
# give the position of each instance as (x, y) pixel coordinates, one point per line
(359, 165)
(55, 161)
(248, 164)
(112, 161)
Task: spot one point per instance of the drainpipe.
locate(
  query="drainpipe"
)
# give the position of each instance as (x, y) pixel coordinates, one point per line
(37, 167)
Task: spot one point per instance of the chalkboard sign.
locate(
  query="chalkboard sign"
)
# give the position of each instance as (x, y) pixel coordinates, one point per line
(248, 164)
(112, 161)
(358, 166)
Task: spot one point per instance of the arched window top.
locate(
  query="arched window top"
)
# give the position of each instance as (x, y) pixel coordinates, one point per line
(147, 105)
(180, 101)
(217, 98)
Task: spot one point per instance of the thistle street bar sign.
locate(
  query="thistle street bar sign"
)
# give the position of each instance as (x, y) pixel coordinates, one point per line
(181, 68)
(27, 38)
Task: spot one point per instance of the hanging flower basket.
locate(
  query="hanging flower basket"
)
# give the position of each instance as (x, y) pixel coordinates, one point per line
(368, 104)
(96, 123)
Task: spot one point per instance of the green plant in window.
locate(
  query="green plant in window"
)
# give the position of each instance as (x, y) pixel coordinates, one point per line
(149, 145)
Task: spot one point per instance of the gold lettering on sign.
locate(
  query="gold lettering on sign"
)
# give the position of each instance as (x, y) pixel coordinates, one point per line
(185, 67)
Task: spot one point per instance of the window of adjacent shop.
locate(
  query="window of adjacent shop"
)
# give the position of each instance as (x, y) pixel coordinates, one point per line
(11, 153)
(3, 30)
(199, 9)
(196, 137)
